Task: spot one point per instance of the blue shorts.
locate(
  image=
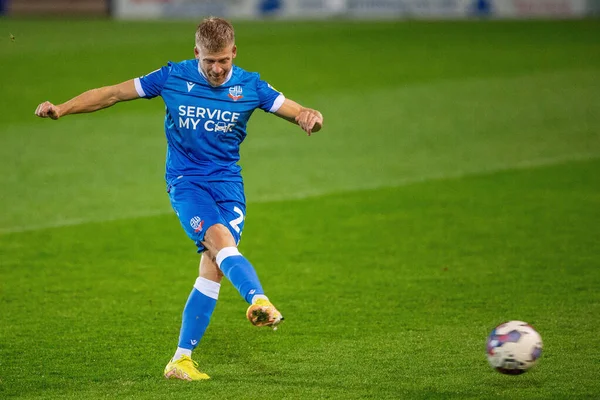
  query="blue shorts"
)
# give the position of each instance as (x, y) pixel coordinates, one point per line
(200, 205)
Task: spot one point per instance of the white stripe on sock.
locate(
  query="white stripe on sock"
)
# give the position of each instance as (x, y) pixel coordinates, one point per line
(259, 296)
(226, 252)
(207, 287)
(181, 352)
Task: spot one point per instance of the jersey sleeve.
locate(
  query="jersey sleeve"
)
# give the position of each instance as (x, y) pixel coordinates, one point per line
(270, 99)
(151, 85)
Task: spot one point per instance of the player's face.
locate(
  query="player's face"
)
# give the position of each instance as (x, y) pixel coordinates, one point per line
(216, 66)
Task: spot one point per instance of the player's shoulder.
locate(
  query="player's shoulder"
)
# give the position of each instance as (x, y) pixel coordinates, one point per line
(241, 75)
(183, 66)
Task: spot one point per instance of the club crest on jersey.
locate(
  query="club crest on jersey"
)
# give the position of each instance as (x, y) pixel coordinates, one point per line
(235, 93)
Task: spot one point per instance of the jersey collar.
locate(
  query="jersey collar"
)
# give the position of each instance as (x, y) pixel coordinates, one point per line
(206, 79)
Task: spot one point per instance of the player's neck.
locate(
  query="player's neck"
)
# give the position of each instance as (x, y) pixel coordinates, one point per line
(206, 78)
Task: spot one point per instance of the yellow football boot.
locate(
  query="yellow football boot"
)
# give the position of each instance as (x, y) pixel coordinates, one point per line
(263, 313)
(185, 369)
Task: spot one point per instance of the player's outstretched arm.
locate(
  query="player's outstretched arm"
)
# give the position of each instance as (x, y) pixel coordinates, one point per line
(92, 100)
(309, 120)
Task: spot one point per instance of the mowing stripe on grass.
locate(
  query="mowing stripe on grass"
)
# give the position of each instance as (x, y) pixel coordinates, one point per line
(303, 195)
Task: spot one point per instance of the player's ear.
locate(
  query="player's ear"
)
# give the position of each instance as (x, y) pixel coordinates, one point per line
(196, 52)
(234, 51)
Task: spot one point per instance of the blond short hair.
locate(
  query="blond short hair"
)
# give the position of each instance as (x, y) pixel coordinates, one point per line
(214, 34)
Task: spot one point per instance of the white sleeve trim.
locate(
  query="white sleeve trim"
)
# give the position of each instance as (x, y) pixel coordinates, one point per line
(227, 252)
(277, 103)
(138, 87)
(208, 287)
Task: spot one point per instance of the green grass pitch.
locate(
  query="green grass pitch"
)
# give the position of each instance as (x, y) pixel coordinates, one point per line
(456, 185)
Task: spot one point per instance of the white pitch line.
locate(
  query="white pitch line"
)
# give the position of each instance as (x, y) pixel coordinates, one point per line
(540, 162)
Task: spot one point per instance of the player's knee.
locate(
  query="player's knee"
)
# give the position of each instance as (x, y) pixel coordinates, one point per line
(209, 268)
(216, 238)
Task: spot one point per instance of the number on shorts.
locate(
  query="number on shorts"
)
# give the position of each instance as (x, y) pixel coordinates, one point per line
(235, 222)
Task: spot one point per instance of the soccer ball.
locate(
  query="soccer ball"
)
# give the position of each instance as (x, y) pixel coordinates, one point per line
(513, 347)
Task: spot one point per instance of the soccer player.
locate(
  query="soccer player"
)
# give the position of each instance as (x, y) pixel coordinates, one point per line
(208, 103)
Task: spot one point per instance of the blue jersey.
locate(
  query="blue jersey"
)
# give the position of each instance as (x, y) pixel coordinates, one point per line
(205, 125)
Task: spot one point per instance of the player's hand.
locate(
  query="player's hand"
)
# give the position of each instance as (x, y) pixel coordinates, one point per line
(47, 110)
(310, 120)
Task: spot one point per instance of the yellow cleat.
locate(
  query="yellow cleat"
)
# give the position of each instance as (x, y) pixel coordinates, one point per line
(263, 313)
(185, 369)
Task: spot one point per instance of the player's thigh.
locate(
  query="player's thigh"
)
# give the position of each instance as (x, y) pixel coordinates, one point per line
(196, 209)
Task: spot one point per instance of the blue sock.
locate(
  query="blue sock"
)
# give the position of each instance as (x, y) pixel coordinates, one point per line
(197, 312)
(240, 272)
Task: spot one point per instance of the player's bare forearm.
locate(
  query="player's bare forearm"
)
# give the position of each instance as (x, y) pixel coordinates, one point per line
(92, 100)
(308, 119)
(89, 101)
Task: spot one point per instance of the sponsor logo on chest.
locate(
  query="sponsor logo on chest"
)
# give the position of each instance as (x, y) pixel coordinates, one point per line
(210, 119)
